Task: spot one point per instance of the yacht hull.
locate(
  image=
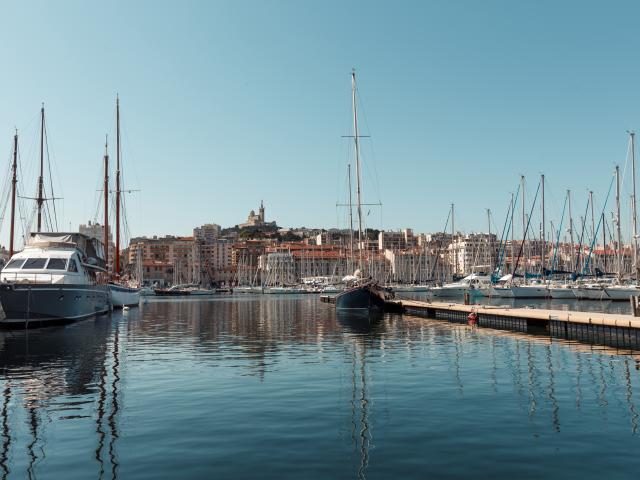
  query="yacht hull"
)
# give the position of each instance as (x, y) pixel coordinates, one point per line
(35, 304)
(122, 296)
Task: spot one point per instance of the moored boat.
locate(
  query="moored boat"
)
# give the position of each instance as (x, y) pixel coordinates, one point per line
(363, 297)
(58, 277)
(475, 284)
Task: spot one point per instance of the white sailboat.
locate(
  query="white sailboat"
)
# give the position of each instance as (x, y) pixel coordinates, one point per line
(122, 294)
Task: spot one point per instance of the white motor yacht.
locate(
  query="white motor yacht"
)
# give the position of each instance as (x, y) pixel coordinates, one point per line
(58, 277)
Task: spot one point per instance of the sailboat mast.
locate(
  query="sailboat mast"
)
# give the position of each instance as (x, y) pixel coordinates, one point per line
(40, 199)
(618, 231)
(604, 242)
(593, 217)
(544, 246)
(489, 242)
(513, 248)
(106, 202)
(350, 219)
(573, 250)
(358, 171)
(116, 259)
(524, 226)
(634, 206)
(14, 181)
(453, 242)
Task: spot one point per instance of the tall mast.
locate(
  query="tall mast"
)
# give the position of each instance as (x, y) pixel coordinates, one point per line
(634, 206)
(106, 202)
(524, 225)
(14, 181)
(116, 259)
(453, 242)
(350, 218)
(40, 199)
(543, 230)
(489, 255)
(593, 217)
(358, 173)
(573, 250)
(618, 231)
(513, 248)
(604, 242)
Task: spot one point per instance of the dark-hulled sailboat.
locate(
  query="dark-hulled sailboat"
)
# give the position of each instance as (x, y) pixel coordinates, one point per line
(364, 295)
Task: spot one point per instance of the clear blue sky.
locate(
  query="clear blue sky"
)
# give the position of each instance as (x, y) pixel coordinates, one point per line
(227, 103)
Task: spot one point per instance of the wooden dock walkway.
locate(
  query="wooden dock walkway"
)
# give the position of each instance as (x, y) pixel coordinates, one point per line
(614, 330)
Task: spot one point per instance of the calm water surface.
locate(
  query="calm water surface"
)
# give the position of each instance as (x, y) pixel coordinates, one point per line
(268, 387)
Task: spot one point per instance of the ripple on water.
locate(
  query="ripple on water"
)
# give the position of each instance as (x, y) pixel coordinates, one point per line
(264, 386)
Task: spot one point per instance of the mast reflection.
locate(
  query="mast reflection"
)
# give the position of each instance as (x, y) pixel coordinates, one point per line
(6, 433)
(53, 369)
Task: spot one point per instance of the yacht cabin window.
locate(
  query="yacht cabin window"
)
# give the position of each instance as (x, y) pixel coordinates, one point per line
(15, 263)
(73, 266)
(57, 264)
(34, 263)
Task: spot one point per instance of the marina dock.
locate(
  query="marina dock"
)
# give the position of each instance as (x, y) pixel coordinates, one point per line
(614, 330)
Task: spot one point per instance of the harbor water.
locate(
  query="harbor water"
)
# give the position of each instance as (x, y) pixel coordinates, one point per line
(283, 387)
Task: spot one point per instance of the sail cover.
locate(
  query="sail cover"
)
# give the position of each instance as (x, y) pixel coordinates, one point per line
(91, 247)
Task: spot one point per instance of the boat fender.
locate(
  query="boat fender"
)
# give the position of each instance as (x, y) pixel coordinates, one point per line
(472, 318)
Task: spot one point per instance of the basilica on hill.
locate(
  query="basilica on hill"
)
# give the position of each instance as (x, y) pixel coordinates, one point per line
(257, 221)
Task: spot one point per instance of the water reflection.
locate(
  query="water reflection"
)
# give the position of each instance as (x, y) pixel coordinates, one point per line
(50, 372)
(70, 382)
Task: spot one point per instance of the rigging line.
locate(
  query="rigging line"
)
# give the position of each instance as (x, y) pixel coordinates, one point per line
(555, 253)
(53, 199)
(584, 223)
(526, 231)
(439, 246)
(586, 266)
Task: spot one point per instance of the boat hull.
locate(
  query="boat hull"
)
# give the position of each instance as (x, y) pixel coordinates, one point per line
(622, 293)
(446, 292)
(37, 304)
(172, 293)
(591, 293)
(562, 293)
(529, 292)
(122, 296)
(501, 292)
(362, 298)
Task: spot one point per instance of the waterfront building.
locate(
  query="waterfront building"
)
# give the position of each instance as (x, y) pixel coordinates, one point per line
(397, 240)
(207, 233)
(214, 262)
(414, 265)
(335, 236)
(476, 252)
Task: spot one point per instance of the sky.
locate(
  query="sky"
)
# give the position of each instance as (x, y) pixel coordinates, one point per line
(227, 103)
